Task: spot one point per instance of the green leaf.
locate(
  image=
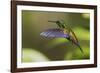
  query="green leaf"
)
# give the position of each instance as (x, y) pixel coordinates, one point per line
(31, 55)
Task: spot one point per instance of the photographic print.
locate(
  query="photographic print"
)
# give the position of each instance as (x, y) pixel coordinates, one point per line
(57, 35)
(49, 36)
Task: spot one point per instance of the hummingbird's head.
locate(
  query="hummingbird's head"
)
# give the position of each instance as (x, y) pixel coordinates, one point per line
(59, 23)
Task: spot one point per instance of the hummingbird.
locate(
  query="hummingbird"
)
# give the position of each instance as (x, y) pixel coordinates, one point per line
(63, 31)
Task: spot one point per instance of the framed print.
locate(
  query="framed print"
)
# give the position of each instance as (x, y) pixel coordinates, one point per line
(52, 36)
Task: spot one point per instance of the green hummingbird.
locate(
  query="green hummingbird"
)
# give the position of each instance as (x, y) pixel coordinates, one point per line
(63, 31)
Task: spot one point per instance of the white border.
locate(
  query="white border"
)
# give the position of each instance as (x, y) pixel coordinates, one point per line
(53, 63)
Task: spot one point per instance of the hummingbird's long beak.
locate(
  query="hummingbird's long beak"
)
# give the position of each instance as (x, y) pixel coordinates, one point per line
(52, 21)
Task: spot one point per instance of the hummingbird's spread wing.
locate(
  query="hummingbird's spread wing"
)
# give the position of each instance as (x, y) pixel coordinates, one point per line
(73, 36)
(54, 33)
(74, 39)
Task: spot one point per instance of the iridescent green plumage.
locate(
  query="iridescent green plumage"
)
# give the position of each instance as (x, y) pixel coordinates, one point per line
(67, 30)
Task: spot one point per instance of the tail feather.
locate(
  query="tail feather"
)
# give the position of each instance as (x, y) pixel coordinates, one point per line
(76, 43)
(80, 48)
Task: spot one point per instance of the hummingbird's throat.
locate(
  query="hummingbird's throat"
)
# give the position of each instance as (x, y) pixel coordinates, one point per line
(66, 31)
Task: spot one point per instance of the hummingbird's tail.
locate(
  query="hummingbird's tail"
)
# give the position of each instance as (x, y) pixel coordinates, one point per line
(80, 48)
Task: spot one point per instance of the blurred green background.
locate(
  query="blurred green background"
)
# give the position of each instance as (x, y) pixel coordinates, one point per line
(36, 48)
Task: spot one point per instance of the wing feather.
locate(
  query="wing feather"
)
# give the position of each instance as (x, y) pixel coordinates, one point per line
(75, 40)
(73, 36)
